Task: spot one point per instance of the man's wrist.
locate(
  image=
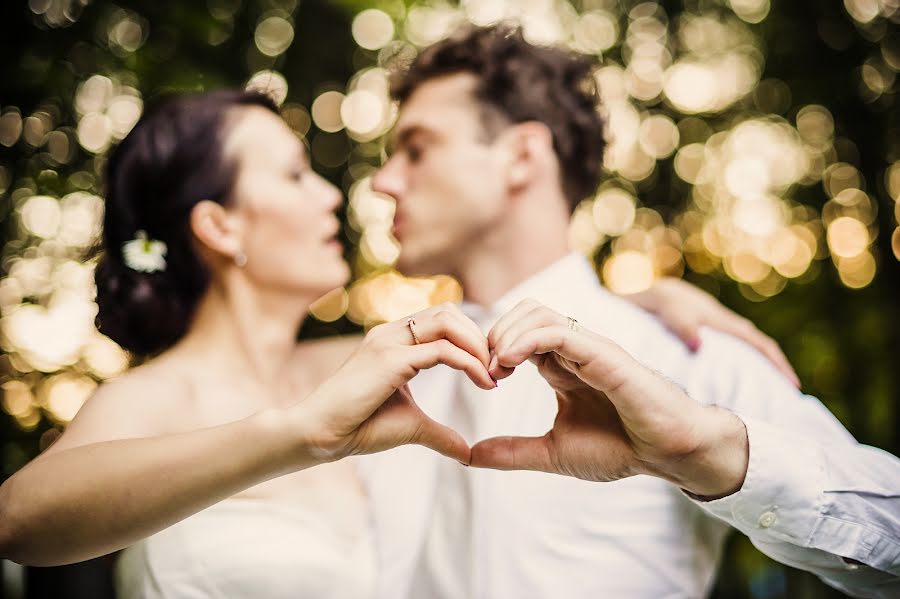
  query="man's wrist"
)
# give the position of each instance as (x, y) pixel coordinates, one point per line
(718, 466)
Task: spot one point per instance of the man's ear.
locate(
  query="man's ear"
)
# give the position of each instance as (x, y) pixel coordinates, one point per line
(216, 229)
(530, 146)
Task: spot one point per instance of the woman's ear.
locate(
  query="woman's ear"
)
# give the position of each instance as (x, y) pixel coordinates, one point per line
(217, 229)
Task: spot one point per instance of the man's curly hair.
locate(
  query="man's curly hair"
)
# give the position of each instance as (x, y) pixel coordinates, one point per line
(522, 82)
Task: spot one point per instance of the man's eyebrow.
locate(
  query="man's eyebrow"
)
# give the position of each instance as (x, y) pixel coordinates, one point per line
(404, 136)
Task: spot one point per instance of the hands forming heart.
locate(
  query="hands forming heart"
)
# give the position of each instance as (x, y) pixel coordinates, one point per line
(615, 417)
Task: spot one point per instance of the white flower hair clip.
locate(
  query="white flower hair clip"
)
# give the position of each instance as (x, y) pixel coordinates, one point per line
(144, 254)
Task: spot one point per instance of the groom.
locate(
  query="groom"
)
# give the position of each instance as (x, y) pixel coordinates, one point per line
(496, 142)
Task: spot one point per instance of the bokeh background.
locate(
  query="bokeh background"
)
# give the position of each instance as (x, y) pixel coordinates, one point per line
(754, 150)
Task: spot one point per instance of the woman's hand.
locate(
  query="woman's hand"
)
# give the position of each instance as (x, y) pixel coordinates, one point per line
(615, 417)
(366, 406)
(684, 308)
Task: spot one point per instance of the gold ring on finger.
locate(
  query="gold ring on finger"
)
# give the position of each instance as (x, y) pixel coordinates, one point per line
(411, 323)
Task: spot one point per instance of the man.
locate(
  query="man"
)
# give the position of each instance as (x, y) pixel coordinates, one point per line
(496, 142)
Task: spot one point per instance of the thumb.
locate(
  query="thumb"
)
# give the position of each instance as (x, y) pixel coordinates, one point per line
(513, 453)
(442, 439)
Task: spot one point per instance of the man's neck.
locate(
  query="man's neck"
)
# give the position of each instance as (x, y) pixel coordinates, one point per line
(489, 274)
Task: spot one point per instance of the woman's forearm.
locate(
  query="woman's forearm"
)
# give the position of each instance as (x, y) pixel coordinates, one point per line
(91, 500)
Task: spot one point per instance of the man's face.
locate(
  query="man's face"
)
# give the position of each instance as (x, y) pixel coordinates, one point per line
(448, 180)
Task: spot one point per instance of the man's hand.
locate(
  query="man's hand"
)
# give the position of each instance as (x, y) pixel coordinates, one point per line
(616, 418)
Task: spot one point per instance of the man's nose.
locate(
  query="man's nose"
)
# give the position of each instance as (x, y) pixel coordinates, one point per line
(389, 180)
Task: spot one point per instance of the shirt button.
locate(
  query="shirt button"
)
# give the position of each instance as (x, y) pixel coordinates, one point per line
(767, 519)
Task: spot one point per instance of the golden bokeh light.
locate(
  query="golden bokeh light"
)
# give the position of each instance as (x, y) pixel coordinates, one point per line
(64, 394)
(270, 83)
(614, 210)
(751, 11)
(847, 237)
(895, 243)
(326, 111)
(273, 35)
(857, 272)
(41, 215)
(628, 272)
(331, 306)
(372, 29)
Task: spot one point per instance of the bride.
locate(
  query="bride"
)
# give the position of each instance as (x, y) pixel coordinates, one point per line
(199, 463)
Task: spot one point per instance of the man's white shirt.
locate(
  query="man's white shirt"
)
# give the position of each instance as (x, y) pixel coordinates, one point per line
(812, 497)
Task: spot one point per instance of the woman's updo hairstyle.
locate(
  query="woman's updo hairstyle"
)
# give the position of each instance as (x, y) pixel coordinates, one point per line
(171, 160)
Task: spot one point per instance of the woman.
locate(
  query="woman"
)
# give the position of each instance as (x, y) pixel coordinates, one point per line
(218, 236)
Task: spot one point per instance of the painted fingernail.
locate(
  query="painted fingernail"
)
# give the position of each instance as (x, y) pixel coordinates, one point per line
(694, 344)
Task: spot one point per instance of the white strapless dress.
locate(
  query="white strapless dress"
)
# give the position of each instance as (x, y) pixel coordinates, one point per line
(253, 548)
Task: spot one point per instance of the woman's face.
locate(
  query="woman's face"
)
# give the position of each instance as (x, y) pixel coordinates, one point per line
(286, 211)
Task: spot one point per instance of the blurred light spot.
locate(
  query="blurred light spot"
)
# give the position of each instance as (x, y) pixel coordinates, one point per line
(747, 177)
(746, 267)
(583, 233)
(751, 11)
(10, 127)
(104, 357)
(223, 9)
(362, 112)
(124, 111)
(331, 306)
(850, 202)
(65, 394)
(50, 338)
(628, 272)
(862, 11)
(369, 209)
(595, 32)
(658, 136)
(372, 29)
(273, 35)
(815, 124)
(81, 218)
(857, 272)
(95, 132)
(34, 130)
(759, 216)
(427, 25)
(841, 176)
(41, 216)
(326, 111)
(847, 237)
(270, 83)
(297, 118)
(17, 398)
(59, 147)
(688, 162)
(127, 32)
(484, 12)
(93, 95)
(5, 177)
(614, 211)
(378, 246)
(892, 181)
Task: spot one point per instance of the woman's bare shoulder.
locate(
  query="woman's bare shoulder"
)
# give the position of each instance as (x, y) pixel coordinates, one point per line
(143, 402)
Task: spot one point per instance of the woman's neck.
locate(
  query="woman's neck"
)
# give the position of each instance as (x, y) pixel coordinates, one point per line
(246, 333)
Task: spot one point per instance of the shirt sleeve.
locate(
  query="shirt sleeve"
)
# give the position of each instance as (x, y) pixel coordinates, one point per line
(813, 498)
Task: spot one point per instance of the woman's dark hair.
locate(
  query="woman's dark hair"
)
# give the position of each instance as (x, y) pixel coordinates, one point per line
(171, 160)
(517, 82)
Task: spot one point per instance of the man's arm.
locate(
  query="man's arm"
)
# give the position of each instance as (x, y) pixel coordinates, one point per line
(787, 474)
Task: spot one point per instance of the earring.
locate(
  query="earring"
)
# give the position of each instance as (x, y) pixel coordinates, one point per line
(240, 259)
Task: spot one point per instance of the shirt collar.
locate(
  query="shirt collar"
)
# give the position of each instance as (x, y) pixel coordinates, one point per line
(568, 277)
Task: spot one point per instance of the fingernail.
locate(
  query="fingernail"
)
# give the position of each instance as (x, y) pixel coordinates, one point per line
(493, 363)
(694, 344)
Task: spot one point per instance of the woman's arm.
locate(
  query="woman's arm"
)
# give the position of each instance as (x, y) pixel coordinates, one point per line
(82, 501)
